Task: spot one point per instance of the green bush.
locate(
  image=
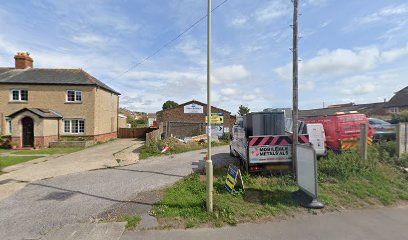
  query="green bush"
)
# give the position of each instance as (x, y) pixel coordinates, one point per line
(225, 137)
(403, 160)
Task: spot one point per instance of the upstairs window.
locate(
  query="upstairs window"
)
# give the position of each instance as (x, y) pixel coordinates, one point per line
(74, 96)
(74, 126)
(19, 95)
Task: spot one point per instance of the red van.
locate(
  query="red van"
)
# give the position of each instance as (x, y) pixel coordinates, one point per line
(342, 129)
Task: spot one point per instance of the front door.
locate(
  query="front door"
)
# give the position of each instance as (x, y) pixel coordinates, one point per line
(28, 132)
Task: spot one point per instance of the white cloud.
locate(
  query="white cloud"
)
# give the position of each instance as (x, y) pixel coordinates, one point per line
(357, 85)
(307, 85)
(229, 91)
(89, 39)
(239, 21)
(388, 13)
(316, 2)
(273, 10)
(394, 54)
(230, 73)
(342, 61)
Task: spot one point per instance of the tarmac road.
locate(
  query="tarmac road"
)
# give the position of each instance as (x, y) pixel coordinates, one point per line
(373, 224)
(79, 198)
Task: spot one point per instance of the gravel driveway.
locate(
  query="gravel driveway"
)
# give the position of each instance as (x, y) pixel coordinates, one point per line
(80, 197)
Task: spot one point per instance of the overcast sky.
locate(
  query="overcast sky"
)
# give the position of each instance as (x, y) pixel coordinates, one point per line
(350, 51)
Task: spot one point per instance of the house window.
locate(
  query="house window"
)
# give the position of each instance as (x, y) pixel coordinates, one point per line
(19, 95)
(74, 96)
(74, 126)
(394, 110)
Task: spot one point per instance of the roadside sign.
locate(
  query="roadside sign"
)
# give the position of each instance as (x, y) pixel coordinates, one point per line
(216, 130)
(306, 174)
(216, 118)
(232, 178)
(193, 108)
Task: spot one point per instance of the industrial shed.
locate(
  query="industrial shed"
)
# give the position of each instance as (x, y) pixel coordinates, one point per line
(188, 119)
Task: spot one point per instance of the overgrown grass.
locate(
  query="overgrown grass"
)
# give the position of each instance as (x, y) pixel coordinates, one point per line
(154, 149)
(345, 181)
(132, 221)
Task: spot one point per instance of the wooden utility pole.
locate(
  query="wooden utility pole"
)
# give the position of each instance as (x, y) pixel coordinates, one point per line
(295, 112)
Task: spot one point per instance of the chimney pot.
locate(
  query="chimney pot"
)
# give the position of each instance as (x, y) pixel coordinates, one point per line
(23, 60)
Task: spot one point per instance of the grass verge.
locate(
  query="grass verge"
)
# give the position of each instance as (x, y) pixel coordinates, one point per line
(46, 151)
(345, 181)
(12, 160)
(154, 149)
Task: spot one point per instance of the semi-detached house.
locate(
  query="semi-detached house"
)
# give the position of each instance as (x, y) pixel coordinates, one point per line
(39, 105)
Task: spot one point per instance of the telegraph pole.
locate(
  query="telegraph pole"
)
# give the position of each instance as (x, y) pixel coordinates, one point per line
(295, 113)
(208, 164)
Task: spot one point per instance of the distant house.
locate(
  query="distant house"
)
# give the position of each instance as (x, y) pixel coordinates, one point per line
(41, 105)
(122, 121)
(384, 110)
(151, 118)
(399, 102)
(188, 119)
(370, 109)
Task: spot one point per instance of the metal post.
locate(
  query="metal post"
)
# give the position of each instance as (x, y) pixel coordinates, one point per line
(208, 164)
(363, 141)
(295, 84)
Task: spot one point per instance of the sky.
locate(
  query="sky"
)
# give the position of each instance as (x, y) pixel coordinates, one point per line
(349, 51)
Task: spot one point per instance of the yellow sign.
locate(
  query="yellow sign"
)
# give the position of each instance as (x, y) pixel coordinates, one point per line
(232, 178)
(216, 118)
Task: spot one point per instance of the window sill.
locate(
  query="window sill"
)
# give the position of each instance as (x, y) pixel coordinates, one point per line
(73, 102)
(15, 101)
(73, 134)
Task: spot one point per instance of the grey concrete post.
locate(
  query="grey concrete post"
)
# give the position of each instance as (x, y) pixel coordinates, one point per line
(363, 141)
(402, 139)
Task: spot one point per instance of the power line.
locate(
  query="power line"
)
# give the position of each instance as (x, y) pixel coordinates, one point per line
(170, 42)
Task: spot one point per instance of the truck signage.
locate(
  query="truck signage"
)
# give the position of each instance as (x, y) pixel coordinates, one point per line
(259, 154)
(272, 148)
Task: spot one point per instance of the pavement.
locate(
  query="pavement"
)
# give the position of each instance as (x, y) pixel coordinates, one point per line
(95, 157)
(49, 205)
(374, 224)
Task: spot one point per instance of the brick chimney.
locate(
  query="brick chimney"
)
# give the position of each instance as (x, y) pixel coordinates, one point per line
(23, 60)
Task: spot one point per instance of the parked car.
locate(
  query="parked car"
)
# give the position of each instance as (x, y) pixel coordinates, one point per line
(382, 130)
(342, 129)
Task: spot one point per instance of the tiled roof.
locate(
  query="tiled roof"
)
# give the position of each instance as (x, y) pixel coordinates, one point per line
(400, 99)
(41, 112)
(50, 76)
(362, 108)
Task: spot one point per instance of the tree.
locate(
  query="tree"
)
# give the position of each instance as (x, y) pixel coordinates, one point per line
(243, 110)
(169, 104)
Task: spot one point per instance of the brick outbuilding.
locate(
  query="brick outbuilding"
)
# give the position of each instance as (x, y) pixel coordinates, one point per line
(188, 119)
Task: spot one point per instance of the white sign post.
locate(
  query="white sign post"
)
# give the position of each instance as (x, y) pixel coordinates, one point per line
(306, 173)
